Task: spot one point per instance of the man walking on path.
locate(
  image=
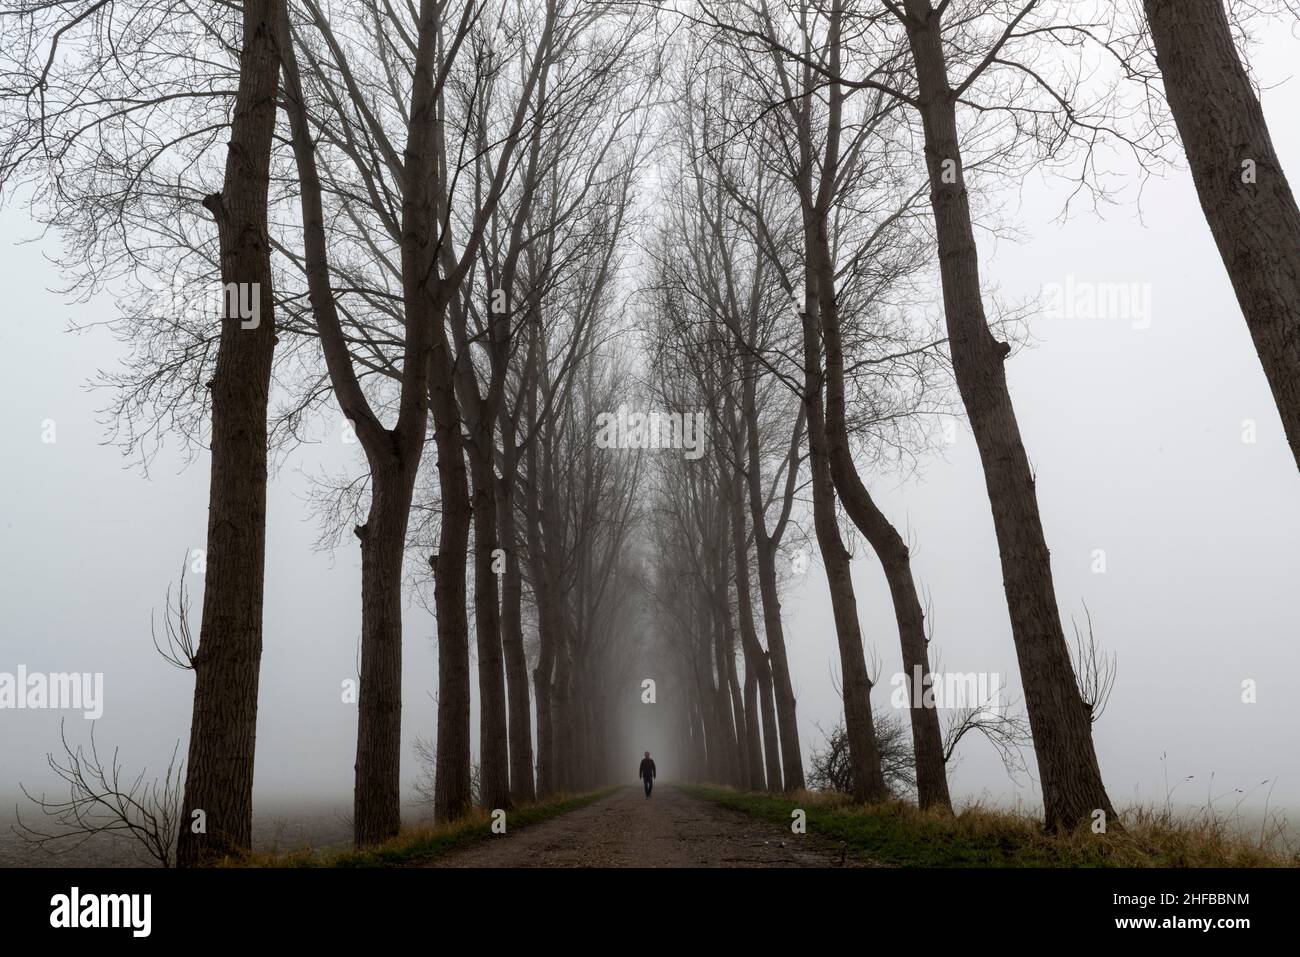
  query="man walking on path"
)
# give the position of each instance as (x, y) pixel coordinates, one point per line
(647, 773)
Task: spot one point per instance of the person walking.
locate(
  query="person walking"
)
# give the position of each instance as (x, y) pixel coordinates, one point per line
(647, 774)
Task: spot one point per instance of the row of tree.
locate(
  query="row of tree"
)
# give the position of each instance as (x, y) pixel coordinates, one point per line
(798, 227)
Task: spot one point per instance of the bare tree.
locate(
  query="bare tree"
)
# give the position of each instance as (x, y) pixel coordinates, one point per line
(831, 767)
(218, 802)
(453, 62)
(101, 800)
(848, 173)
(996, 42)
(1067, 760)
(1006, 730)
(1095, 671)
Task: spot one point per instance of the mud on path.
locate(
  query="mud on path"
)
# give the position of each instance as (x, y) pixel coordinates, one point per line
(671, 829)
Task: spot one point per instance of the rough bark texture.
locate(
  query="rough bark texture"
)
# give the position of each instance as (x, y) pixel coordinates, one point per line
(494, 756)
(927, 736)
(868, 778)
(562, 703)
(512, 635)
(393, 458)
(549, 613)
(453, 795)
(749, 750)
(758, 672)
(377, 797)
(429, 361)
(223, 730)
(452, 789)
(753, 741)
(1060, 721)
(1255, 224)
(769, 592)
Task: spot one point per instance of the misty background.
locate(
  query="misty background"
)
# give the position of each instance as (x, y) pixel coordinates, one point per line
(1136, 436)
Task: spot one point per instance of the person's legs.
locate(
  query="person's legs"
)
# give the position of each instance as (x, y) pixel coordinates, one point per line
(649, 783)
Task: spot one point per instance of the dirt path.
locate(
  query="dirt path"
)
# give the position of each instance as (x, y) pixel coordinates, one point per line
(671, 829)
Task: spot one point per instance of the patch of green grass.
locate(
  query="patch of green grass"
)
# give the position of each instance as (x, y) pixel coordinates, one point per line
(901, 835)
(422, 844)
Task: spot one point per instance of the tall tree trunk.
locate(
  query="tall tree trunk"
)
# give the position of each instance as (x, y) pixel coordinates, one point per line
(756, 663)
(1243, 190)
(769, 592)
(868, 777)
(545, 724)
(590, 765)
(699, 744)
(782, 686)
(563, 699)
(494, 756)
(540, 530)
(747, 743)
(543, 684)
(377, 799)
(1059, 719)
(753, 739)
(223, 729)
(749, 755)
(453, 789)
(895, 559)
(393, 458)
(771, 736)
(715, 749)
(731, 718)
(512, 636)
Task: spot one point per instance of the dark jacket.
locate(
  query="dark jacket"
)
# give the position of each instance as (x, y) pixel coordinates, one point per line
(647, 769)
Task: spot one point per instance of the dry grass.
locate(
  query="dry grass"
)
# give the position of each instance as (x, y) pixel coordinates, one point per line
(422, 842)
(899, 833)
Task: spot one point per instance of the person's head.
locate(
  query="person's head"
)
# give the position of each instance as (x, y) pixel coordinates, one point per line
(647, 754)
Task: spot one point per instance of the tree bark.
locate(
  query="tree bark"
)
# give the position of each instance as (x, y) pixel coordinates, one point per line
(773, 628)
(749, 751)
(927, 737)
(453, 795)
(753, 739)
(223, 728)
(868, 777)
(725, 655)
(759, 697)
(377, 800)
(1255, 224)
(393, 457)
(731, 717)
(520, 728)
(549, 616)
(1059, 719)
(494, 757)
(562, 700)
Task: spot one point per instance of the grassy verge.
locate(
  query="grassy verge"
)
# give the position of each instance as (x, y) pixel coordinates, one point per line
(899, 834)
(424, 843)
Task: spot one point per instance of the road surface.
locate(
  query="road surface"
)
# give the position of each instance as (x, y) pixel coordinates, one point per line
(671, 829)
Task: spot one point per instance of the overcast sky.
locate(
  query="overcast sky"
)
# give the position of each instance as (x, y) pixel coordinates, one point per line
(1136, 435)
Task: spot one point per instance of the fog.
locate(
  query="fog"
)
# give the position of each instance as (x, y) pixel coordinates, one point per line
(1136, 435)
